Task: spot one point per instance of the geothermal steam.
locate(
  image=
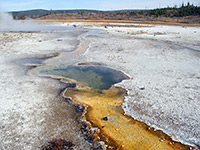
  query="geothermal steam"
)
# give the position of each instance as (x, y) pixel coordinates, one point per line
(8, 24)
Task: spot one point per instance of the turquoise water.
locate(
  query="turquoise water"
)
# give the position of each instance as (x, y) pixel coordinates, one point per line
(96, 77)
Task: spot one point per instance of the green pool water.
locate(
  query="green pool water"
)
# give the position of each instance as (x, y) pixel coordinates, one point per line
(96, 77)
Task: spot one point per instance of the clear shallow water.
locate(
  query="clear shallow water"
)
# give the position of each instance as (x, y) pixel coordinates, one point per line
(96, 77)
(30, 62)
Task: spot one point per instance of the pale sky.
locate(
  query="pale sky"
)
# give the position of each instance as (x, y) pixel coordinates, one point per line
(10, 5)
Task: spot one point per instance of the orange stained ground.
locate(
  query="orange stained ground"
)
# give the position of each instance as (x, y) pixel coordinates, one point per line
(118, 130)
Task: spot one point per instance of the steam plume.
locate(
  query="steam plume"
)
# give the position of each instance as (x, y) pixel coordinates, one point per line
(8, 24)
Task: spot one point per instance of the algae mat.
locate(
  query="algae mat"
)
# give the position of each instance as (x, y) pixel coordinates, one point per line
(95, 89)
(118, 130)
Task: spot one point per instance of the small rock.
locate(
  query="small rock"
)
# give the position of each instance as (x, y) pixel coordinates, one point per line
(161, 140)
(198, 76)
(142, 87)
(191, 97)
(59, 39)
(79, 109)
(106, 139)
(187, 86)
(105, 118)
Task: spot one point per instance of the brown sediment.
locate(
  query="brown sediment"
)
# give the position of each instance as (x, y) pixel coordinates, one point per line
(117, 130)
(58, 144)
(119, 21)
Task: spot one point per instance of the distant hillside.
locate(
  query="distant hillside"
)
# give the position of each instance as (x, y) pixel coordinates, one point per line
(188, 14)
(40, 12)
(29, 13)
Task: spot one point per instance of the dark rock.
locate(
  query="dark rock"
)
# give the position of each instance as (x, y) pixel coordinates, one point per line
(79, 109)
(105, 118)
(142, 88)
(84, 126)
(59, 144)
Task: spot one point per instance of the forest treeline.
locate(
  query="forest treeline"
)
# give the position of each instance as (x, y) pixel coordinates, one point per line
(183, 11)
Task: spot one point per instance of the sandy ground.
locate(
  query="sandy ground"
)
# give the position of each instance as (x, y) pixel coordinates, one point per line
(164, 89)
(31, 111)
